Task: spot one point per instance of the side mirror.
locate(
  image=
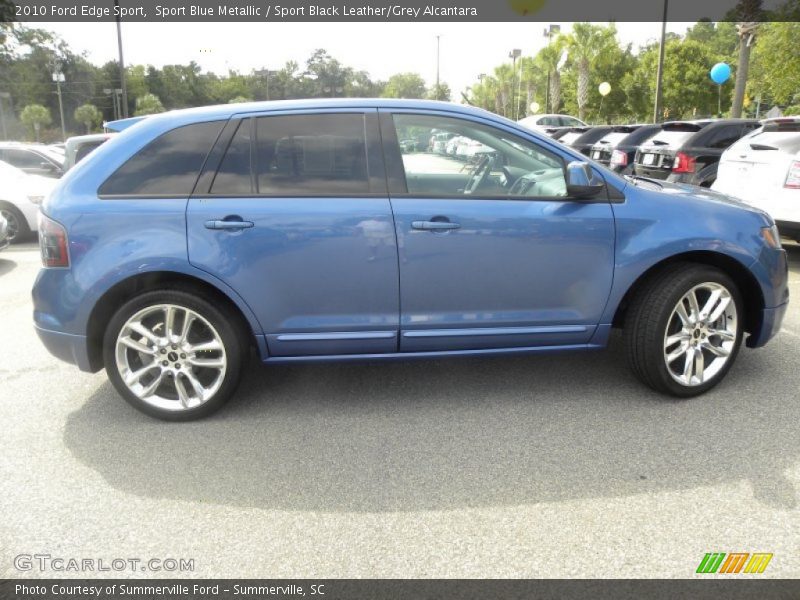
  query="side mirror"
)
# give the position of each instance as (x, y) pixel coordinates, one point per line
(579, 181)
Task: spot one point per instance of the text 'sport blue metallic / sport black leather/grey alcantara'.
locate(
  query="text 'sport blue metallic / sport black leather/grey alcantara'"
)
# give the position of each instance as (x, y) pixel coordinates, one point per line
(379, 229)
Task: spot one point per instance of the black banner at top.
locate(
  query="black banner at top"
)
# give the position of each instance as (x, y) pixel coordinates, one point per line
(393, 10)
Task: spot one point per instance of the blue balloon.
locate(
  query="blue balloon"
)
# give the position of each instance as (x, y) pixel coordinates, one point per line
(720, 73)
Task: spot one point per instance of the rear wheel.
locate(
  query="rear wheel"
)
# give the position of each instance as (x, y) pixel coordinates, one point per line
(173, 355)
(18, 229)
(684, 330)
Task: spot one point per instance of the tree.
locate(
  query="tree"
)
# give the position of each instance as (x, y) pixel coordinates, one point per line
(749, 13)
(148, 104)
(777, 79)
(34, 116)
(239, 100)
(587, 43)
(548, 59)
(440, 92)
(405, 85)
(89, 115)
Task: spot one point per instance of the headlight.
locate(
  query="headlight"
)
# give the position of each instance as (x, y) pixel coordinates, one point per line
(771, 236)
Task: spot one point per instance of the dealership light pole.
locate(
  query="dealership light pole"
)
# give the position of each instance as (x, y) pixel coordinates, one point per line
(660, 74)
(121, 64)
(514, 55)
(58, 78)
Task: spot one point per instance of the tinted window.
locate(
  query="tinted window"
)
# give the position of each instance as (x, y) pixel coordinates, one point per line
(233, 175)
(317, 155)
(86, 148)
(167, 166)
(724, 137)
(497, 163)
(23, 159)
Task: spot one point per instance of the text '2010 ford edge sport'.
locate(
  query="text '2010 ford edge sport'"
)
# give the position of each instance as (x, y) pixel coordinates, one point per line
(307, 230)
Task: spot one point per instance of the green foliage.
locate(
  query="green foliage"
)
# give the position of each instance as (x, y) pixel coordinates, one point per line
(405, 85)
(34, 116)
(148, 104)
(89, 115)
(239, 100)
(775, 62)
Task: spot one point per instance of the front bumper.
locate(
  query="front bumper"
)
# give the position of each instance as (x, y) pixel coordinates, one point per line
(67, 347)
(771, 319)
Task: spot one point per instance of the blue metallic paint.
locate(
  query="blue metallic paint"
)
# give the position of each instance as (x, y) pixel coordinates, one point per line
(311, 253)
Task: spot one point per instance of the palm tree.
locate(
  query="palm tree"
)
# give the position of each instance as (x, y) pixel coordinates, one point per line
(586, 44)
(548, 59)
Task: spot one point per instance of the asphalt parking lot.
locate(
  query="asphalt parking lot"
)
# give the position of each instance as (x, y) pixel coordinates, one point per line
(557, 466)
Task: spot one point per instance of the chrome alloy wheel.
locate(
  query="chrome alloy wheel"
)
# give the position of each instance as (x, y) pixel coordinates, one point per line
(701, 334)
(13, 224)
(170, 357)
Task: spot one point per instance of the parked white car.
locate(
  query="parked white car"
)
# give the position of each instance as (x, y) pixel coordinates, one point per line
(549, 123)
(763, 170)
(20, 197)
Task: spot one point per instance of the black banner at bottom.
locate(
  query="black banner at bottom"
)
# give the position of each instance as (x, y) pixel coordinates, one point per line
(390, 589)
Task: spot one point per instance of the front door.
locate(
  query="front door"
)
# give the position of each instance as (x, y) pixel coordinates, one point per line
(297, 220)
(492, 252)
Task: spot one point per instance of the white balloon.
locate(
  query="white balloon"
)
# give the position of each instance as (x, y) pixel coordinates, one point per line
(535, 107)
(604, 88)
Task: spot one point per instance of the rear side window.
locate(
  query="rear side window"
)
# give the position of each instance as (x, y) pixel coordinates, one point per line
(85, 149)
(167, 166)
(312, 155)
(23, 159)
(723, 137)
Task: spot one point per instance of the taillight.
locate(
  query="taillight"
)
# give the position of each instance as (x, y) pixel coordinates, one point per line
(619, 158)
(793, 176)
(683, 163)
(53, 243)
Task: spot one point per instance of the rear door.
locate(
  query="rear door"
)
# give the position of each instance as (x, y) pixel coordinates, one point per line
(292, 212)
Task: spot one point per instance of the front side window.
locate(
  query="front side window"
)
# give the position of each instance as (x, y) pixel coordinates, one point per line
(24, 159)
(167, 166)
(478, 160)
(312, 155)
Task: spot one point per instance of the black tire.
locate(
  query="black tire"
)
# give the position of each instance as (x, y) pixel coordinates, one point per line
(233, 336)
(648, 317)
(20, 226)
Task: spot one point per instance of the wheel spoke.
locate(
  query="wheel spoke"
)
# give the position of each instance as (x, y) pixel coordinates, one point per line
(699, 364)
(681, 336)
(134, 376)
(710, 304)
(677, 353)
(143, 331)
(725, 336)
(169, 322)
(198, 387)
(208, 363)
(683, 315)
(153, 386)
(721, 307)
(187, 325)
(694, 307)
(688, 365)
(205, 346)
(137, 345)
(716, 350)
(183, 396)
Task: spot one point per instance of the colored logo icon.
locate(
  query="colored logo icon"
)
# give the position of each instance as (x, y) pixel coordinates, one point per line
(734, 562)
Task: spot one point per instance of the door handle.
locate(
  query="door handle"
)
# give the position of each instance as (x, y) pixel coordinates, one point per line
(434, 225)
(228, 225)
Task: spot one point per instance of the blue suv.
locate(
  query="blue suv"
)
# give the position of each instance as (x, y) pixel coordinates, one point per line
(313, 230)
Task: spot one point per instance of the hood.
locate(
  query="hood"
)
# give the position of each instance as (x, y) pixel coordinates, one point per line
(693, 193)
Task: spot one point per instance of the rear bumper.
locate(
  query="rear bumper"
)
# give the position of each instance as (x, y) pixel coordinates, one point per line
(771, 319)
(67, 347)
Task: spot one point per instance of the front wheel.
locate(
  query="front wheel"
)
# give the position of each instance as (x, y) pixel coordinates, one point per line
(684, 330)
(173, 355)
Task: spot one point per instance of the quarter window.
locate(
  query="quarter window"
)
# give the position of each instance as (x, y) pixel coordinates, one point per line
(477, 160)
(167, 166)
(312, 155)
(233, 176)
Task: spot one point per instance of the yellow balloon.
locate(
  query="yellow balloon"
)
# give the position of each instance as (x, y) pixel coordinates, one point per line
(604, 88)
(526, 7)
